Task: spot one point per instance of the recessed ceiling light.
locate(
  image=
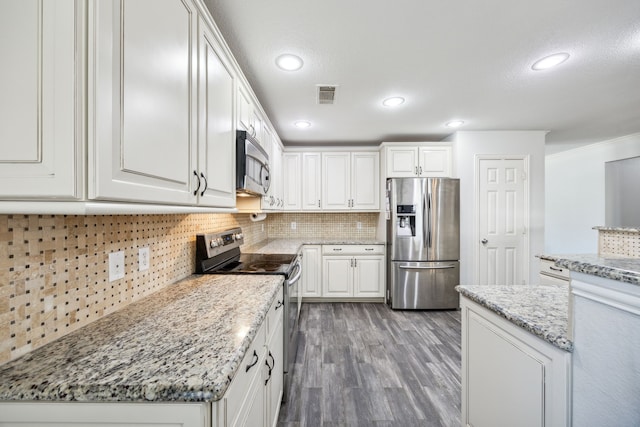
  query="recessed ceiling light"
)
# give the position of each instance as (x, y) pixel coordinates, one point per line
(454, 124)
(550, 61)
(393, 101)
(289, 62)
(302, 124)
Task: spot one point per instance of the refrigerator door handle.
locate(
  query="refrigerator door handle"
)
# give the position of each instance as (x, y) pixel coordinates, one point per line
(437, 267)
(429, 220)
(424, 223)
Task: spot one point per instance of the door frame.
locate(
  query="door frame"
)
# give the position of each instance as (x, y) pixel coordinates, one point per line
(526, 158)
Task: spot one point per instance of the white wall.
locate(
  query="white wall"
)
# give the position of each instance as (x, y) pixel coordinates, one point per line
(467, 145)
(575, 198)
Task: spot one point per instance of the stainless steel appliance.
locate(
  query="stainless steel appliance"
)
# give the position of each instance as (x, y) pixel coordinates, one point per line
(219, 253)
(424, 243)
(252, 166)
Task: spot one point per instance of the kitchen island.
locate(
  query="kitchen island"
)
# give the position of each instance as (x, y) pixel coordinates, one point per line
(182, 345)
(555, 355)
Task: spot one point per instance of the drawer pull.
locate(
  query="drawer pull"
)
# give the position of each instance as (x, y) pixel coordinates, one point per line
(368, 249)
(337, 249)
(278, 305)
(273, 364)
(555, 269)
(255, 360)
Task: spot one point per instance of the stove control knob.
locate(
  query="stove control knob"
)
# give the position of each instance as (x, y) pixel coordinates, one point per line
(220, 241)
(238, 236)
(214, 243)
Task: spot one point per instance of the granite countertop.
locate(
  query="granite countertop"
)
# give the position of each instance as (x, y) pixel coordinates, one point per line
(541, 310)
(616, 268)
(182, 343)
(292, 246)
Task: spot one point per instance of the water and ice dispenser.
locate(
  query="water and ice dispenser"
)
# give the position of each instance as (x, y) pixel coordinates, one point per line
(406, 225)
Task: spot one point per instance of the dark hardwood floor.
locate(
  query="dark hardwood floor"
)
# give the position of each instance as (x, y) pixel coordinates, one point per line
(362, 364)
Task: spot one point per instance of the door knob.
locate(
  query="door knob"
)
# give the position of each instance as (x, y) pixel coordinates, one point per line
(484, 241)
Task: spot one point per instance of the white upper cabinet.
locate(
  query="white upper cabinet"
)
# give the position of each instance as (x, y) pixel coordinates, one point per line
(351, 181)
(142, 101)
(292, 181)
(311, 181)
(249, 118)
(216, 136)
(40, 133)
(418, 161)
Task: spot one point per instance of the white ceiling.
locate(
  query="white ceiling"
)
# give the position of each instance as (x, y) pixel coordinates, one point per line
(455, 59)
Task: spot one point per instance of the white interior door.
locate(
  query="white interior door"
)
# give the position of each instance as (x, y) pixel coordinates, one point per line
(502, 221)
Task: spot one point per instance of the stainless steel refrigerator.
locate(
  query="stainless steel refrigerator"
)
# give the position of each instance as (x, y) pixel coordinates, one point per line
(423, 234)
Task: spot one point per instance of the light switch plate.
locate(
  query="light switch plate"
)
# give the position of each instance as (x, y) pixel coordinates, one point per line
(143, 259)
(293, 225)
(116, 265)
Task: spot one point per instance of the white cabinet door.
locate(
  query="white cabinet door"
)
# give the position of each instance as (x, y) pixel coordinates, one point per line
(435, 161)
(275, 383)
(337, 276)
(39, 142)
(244, 110)
(311, 181)
(216, 141)
(336, 181)
(402, 162)
(365, 180)
(509, 376)
(368, 279)
(142, 86)
(292, 185)
(311, 271)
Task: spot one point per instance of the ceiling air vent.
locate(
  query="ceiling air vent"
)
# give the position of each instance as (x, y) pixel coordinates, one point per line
(326, 94)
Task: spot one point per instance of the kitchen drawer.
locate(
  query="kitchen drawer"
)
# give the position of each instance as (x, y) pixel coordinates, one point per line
(352, 249)
(548, 267)
(276, 310)
(236, 394)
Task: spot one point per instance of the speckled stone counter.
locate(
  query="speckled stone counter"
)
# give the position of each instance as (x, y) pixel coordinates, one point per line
(541, 310)
(183, 343)
(622, 269)
(292, 246)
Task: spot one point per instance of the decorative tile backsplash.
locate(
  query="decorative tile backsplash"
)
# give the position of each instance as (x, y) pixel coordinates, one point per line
(55, 268)
(325, 225)
(619, 242)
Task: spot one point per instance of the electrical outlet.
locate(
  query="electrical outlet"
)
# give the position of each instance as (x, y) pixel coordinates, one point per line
(262, 228)
(359, 225)
(116, 265)
(293, 225)
(143, 259)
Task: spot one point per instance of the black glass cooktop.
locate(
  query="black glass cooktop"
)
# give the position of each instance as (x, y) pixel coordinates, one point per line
(259, 263)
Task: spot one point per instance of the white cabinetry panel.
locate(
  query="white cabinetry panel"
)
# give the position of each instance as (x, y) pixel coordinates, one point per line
(292, 182)
(311, 181)
(216, 141)
(419, 161)
(336, 181)
(311, 271)
(39, 150)
(144, 76)
(365, 179)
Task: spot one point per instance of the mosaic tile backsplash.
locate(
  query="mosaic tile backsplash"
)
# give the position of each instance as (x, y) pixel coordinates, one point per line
(618, 242)
(54, 268)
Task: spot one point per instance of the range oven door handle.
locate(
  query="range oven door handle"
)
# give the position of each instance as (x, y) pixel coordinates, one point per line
(295, 277)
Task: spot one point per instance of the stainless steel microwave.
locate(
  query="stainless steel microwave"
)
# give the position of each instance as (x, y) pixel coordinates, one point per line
(252, 166)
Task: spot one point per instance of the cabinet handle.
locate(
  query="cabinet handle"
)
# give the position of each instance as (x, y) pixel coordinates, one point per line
(278, 305)
(318, 202)
(253, 363)
(555, 269)
(337, 249)
(206, 184)
(416, 170)
(266, 362)
(368, 249)
(420, 170)
(355, 262)
(197, 188)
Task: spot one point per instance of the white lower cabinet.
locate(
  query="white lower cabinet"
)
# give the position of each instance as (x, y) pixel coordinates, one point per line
(509, 376)
(252, 399)
(311, 271)
(353, 271)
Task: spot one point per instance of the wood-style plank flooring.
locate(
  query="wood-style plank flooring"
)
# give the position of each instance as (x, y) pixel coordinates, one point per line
(361, 364)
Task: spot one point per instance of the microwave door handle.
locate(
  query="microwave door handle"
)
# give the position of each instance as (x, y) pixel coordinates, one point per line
(266, 179)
